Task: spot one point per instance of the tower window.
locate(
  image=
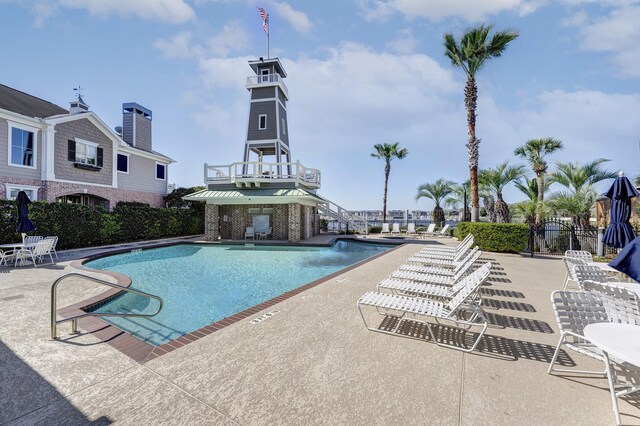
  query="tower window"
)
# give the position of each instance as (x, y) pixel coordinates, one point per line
(265, 75)
(284, 127)
(262, 122)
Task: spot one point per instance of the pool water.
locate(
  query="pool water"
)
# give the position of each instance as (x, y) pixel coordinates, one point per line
(202, 284)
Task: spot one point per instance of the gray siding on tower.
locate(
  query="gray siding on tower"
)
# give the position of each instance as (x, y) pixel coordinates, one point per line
(83, 129)
(284, 132)
(137, 134)
(127, 128)
(262, 93)
(282, 97)
(257, 109)
(142, 176)
(17, 172)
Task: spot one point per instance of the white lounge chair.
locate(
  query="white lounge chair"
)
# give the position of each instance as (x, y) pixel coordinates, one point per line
(411, 229)
(446, 254)
(395, 228)
(385, 228)
(249, 233)
(443, 231)
(421, 310)
(429, 230)
(459, 270)
(447, 249)
(429, 290)
(428, 276)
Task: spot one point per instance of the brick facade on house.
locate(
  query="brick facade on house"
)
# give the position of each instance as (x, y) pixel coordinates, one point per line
(211, 222)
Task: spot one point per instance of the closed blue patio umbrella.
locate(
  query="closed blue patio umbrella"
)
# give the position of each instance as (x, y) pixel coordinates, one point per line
(619, 233)
(628, 260)
(24, 224)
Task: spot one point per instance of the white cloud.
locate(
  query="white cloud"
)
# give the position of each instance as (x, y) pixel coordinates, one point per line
(232, 38)
(178, 46)
(578, 19)
(43, 11)
(171, 11)
(617, 34)
(439, 9)
(405, 42)
(298, 20)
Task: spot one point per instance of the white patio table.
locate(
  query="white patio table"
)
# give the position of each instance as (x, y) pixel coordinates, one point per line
(604, 266)
(622, 343)
(12, 246)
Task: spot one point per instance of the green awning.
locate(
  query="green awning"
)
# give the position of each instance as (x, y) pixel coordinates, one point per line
(257, 195)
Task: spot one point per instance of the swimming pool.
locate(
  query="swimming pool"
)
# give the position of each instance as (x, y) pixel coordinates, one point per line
(202, 284)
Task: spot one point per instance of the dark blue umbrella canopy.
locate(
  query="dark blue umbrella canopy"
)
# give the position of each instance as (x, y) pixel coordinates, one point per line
(24, 224)
(628, 260)
(619, 233)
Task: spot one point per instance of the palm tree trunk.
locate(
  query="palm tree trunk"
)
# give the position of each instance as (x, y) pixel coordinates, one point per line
(502, 210)
(387, 171)
(540, 179)
(470, 102)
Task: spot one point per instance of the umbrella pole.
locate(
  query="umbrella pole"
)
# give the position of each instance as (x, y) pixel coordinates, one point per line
(23, 235)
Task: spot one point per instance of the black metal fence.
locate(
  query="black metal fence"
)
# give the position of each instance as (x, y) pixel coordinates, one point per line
(555, 236)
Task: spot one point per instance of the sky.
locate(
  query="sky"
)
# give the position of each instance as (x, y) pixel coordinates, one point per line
(360, 73)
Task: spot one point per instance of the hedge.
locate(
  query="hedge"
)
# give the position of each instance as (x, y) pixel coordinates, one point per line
(500, 237)
(78, 226)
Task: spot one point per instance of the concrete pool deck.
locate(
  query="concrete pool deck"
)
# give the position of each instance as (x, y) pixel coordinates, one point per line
(312, 363)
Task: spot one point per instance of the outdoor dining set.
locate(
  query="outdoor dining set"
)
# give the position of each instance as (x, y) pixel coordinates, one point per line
(31, 251)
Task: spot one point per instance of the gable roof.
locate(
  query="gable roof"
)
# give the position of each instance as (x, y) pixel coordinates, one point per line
(25, 104)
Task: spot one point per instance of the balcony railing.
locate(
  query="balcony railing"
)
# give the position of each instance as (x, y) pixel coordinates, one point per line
(267, 79)
(255, 172)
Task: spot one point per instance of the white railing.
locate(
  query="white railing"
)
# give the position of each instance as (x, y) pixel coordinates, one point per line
(331, 210)
(257, 80)
(261, 172)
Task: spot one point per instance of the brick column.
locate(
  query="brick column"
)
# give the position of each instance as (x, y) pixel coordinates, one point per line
(211, 222)
(294, 223)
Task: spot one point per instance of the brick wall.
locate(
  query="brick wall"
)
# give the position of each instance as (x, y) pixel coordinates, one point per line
(211, 221)
(295, 223)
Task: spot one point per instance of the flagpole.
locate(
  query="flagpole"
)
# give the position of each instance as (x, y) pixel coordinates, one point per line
(268, 30)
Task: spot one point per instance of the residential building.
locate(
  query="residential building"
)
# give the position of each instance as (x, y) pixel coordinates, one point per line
(72, 156)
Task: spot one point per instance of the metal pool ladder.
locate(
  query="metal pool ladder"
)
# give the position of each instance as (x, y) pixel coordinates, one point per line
(74, 319)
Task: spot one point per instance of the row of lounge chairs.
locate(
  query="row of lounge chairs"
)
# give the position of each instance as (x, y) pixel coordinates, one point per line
(436, 285)
(411, 230)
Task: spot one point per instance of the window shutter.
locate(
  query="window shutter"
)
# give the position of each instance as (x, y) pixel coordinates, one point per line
(71, 156)
(99, 159)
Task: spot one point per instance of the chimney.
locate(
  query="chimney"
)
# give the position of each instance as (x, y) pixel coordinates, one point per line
(78, 106)
(136, 125)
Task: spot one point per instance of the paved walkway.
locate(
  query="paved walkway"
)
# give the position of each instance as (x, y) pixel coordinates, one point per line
(313, 363)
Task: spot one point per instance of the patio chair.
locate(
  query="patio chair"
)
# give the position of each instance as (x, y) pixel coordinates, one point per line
(579, 254)
(35, 253)
(395, 228)
(574, 310)
(460, 269)
(439, 276)
(430, 289)
(55, 243)
(570, 263)
(30, 240)
(411, 229)
(249, 233)
(385, 228)
(446, 249)
(583, 273)
(447, 254)
(6, 255)
(442, 260)
(421, 310)
(443, 231)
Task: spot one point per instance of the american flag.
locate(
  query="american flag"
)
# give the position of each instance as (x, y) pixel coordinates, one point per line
(265, 18)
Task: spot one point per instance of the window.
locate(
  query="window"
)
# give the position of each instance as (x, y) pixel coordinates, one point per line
(123, 163)
(85, 153)
(22, 146)
(265, 75)
(31, 191)
(160, 171)
(262, 122)
(284, 127)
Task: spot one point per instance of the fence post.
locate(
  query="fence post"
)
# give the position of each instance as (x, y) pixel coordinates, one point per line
(600, 243)
(571, 230)
(532, 244)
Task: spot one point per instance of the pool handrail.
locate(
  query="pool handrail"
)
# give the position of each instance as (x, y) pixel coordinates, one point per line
(74, 319)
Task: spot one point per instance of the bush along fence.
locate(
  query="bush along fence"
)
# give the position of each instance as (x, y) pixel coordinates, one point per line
(500, 237)
(85, 226)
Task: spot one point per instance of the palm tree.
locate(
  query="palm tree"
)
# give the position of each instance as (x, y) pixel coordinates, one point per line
(575, 177)
(459, 195)
(530, 208)
(388, 152)
(471, 54)
(436, 191)
(496, 179)
(529, 187)
(580, 195)
(535, 150)
(637, 181)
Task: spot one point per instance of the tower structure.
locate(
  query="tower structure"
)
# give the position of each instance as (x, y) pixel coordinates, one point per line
(267, 132)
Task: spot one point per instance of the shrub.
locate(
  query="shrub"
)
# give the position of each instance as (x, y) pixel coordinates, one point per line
(500, 237)
(324, 225)
(375, 229)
